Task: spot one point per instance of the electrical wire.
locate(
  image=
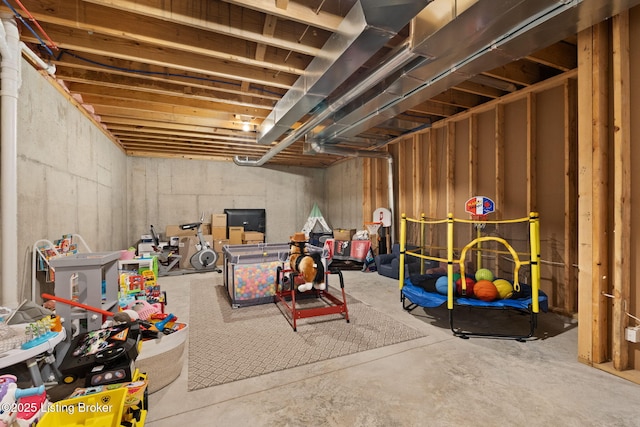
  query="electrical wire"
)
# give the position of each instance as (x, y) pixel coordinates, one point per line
(19, 17)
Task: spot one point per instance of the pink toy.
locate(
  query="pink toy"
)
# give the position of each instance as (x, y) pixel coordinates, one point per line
(20, 407)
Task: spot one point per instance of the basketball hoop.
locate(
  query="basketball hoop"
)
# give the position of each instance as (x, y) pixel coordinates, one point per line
(373, 227)
(480, 218)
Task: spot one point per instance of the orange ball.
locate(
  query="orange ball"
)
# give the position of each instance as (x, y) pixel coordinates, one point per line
(485, 290)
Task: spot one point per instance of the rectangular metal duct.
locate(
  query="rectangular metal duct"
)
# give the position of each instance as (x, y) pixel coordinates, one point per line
(445, 38)
(530, 32)
(368, 26)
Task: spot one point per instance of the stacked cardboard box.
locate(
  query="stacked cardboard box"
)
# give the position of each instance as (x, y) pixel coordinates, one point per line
(344, 233)
(252, 237)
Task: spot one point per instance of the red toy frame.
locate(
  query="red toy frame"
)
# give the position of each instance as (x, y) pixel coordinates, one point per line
(288, 298)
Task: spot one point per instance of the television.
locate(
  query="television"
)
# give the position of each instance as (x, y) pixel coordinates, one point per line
(250, 219)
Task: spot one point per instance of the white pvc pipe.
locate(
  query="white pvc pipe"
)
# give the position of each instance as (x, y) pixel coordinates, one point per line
(9, 85)
(49, 68)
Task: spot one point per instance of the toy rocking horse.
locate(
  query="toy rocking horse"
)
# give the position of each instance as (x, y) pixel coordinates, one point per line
(308, 265)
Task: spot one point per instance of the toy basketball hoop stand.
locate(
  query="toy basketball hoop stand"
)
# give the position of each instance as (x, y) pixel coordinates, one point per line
(373, 227)
(479, 207)
(383, 217)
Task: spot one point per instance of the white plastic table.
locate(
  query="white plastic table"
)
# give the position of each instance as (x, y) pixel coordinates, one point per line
(17, 355)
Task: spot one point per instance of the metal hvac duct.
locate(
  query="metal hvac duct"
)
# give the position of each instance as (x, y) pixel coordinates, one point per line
(368, 26)
(448, 41)
(522, 28)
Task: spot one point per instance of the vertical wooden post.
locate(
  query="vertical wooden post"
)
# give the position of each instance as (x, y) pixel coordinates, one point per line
(585, 197)
(473, 165)
(532, 154)
(570, 199)
(600, 131)
(499, 159)
(430, 140)
(500, 174)
(473, 155)
(367, 199)
(451, 165)
(621, 189)
(417, 148)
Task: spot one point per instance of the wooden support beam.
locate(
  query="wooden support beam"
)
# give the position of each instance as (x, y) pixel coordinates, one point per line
(621, 189)
(600, 183)
(585, 197)
(570, 200)
(431, 142)
(499, 158)
(367, 187)
(532, 153)
(473, 155)
(418, 179)
(450, 144)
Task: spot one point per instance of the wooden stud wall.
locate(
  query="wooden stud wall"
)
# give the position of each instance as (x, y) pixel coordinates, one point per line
(597, 267)
(570, 296)
(622, 192)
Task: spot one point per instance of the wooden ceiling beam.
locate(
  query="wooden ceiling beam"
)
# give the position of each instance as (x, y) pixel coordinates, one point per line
(143, 30)
(82, 43)
(190, 83)
(562, 56)
(104, 95)
(293, 12)
(181, 12)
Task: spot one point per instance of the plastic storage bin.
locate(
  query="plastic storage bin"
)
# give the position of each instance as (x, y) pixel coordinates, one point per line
(250, 272)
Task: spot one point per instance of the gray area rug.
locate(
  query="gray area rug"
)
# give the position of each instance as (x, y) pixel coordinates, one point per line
(229, 344)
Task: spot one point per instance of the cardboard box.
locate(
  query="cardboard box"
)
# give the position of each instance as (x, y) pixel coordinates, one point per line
(236, 235)
(218, 244)
(219, 220)
(176, 231)
(187, 247)
(219, 232)
(253, 236)
(252, 242)
(343, 234)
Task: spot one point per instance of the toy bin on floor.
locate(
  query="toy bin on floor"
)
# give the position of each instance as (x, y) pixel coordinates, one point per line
(102, 409)
(250, 271)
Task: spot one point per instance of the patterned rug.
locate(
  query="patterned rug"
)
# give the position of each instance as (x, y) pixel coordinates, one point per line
(229, 344)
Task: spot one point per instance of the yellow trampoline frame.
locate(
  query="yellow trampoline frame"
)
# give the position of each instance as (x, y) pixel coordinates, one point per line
(533, 261)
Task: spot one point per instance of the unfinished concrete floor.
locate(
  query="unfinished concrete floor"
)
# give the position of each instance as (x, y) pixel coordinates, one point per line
(438, 380)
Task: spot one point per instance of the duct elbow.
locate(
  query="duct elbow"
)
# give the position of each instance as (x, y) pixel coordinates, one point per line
(245, 161)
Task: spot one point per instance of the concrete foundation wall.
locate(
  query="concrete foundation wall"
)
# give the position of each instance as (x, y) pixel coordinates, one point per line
(71, 177)
(344, 195)
(175, 191)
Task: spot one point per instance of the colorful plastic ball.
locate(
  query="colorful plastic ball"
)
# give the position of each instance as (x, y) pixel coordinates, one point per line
(485, 290)
(484, 274)
(504, 287)
(442, 285)
(470, 287)
(456, 276)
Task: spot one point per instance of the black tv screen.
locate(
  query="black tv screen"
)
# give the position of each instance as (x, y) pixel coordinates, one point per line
(250, 219)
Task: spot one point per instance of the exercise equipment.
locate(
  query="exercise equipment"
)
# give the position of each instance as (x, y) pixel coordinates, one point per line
(167, 256)
(205, 258)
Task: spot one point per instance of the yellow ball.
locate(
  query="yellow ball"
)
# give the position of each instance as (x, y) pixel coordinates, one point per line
(505, 288)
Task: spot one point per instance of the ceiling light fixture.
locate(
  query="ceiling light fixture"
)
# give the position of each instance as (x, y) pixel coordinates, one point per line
(246, 126)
